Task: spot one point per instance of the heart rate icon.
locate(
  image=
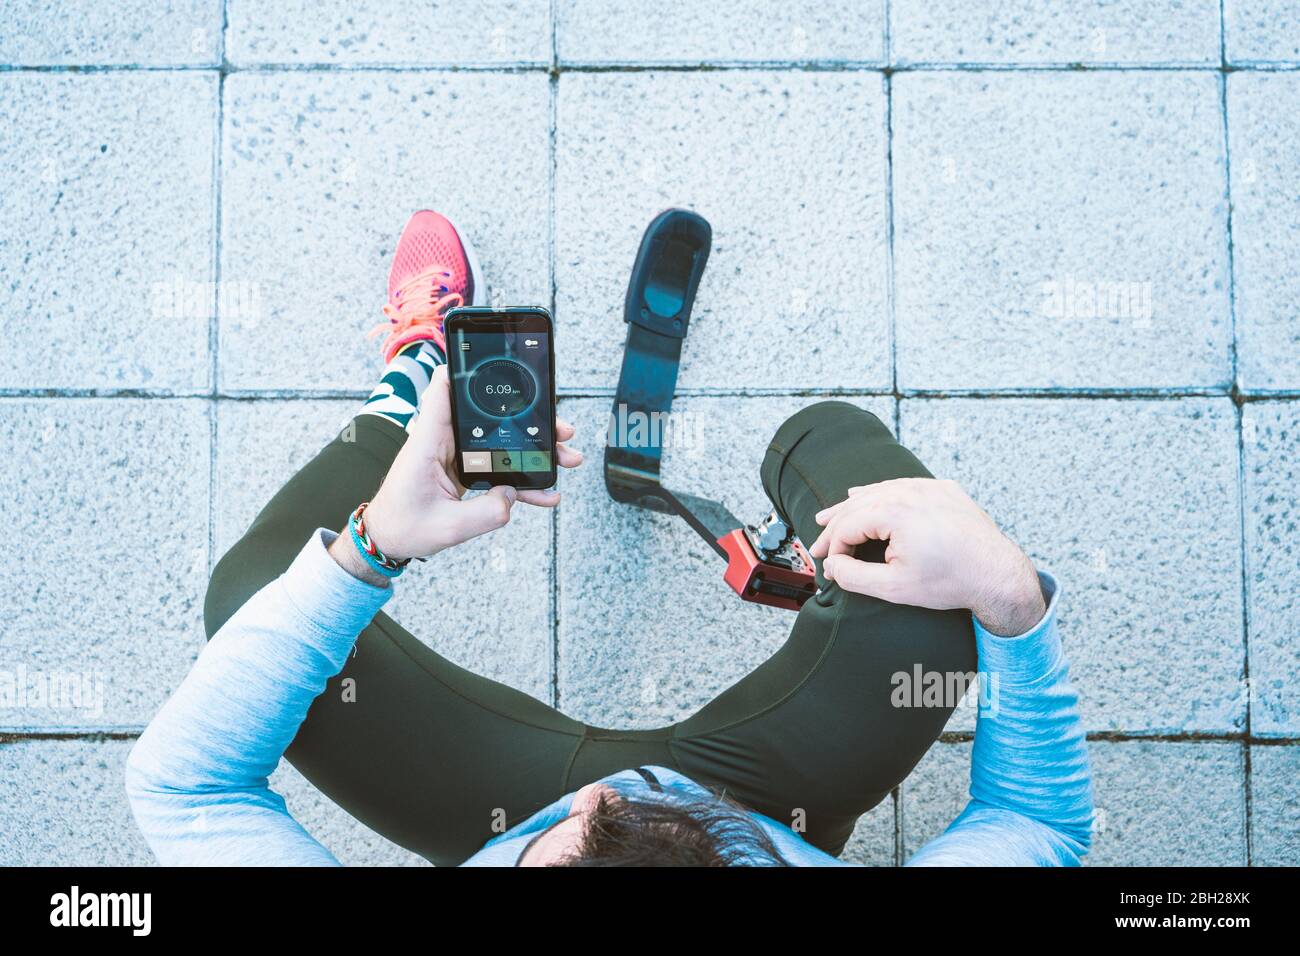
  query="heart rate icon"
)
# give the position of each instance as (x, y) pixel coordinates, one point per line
(532, 430)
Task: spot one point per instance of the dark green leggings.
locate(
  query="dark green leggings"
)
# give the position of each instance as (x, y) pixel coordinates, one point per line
(431, 754)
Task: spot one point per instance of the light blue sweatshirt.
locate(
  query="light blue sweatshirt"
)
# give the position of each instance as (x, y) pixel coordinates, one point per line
(197, 777)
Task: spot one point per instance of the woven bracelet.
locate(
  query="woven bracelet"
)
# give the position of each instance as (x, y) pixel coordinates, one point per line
(381, 562)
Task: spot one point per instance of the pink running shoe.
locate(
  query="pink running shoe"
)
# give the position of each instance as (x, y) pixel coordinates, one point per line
(434, 269)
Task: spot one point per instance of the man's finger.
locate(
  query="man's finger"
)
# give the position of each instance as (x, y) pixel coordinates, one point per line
(438, 395)
(821, 547)
(824, 516)
(547, 498)
(834, 521)
(434, 418)
(568, 457)
(857, 495)
(861, 577)
(563, 430)
(852, 528)
(818, 548)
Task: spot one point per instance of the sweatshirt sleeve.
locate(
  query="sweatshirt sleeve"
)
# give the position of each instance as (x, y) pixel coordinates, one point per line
(1030, 786)
(197, 777)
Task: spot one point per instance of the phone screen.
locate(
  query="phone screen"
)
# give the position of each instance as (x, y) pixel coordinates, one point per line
(504, 410)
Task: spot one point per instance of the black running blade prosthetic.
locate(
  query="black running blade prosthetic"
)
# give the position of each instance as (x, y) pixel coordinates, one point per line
(657, 310)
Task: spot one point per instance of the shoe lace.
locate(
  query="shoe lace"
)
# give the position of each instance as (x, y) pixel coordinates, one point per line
(419, 301)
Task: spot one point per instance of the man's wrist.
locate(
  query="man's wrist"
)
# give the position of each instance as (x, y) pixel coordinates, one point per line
(377, 527)
(1015, 604)
(345, 555)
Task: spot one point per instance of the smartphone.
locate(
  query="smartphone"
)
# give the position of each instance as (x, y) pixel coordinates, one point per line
(502, 365)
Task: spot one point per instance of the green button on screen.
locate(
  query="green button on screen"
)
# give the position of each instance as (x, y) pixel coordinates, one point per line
(506, 460)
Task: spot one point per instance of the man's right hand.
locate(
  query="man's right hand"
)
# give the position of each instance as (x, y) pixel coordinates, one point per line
(944, 552)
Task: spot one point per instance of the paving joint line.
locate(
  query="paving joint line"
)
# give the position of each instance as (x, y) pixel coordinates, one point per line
(131, 731)
(560, 67)
(553, 85)
(1243, 555)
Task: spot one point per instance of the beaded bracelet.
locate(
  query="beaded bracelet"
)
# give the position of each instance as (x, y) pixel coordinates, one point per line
(381, 562)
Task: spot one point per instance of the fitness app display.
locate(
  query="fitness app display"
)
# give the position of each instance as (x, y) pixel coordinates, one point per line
(502, 402)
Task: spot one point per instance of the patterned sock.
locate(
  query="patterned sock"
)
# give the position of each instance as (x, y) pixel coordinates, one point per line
(397, 396)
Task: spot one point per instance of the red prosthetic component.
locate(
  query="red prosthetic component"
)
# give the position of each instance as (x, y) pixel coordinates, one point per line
(784, 580)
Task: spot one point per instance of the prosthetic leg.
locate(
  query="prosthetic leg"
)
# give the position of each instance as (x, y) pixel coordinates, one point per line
(765, 562)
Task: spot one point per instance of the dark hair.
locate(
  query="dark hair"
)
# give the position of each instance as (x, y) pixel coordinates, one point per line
(710, 831)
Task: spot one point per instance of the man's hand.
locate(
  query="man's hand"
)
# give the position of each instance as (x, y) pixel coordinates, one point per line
(418, 510)
(944, 552)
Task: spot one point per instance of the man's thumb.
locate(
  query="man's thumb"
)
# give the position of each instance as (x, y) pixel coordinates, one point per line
(485, 512)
